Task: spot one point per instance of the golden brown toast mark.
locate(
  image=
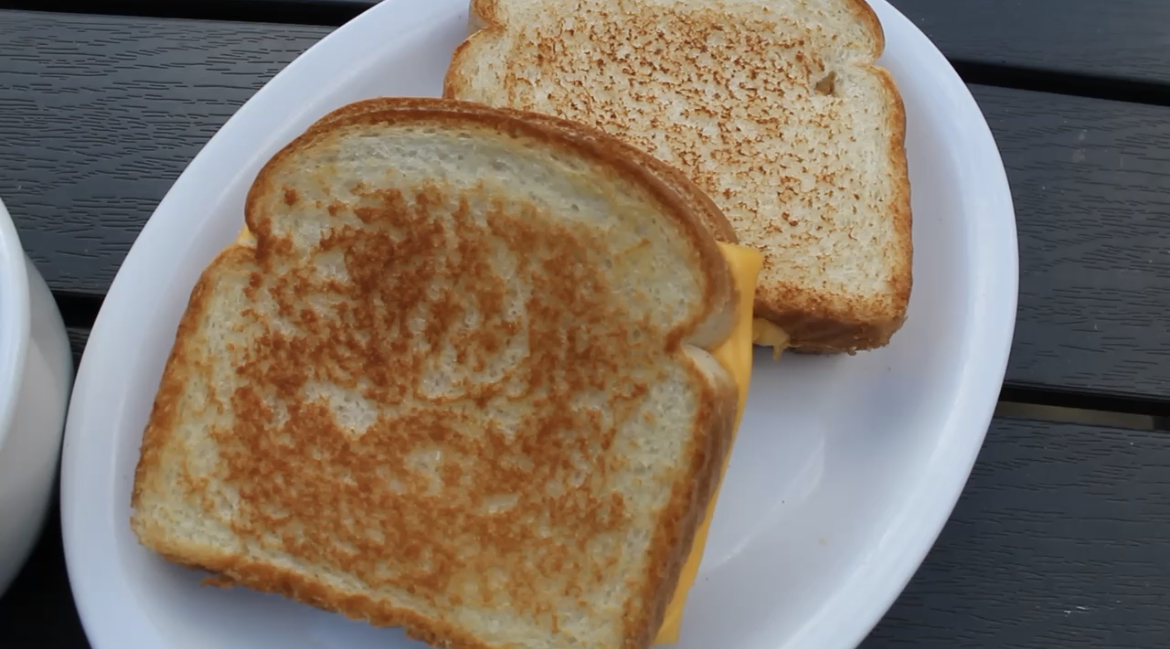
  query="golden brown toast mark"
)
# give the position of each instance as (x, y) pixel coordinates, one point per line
(381, 298)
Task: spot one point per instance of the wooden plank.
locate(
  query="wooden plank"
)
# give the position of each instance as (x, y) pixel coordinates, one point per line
(1058, 541)
(1120, 39)
(1091, 184)
(77, 339)
(1117, 39)
(99, 115)
(1125, 39)
(1107, 40)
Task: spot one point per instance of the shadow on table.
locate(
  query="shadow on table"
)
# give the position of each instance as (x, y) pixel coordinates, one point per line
(37, 611)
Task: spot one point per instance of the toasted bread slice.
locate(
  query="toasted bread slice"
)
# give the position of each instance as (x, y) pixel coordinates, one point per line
(775, 108)
(458, 380)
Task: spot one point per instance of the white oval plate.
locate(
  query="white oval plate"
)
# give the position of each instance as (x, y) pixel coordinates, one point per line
(845, 468)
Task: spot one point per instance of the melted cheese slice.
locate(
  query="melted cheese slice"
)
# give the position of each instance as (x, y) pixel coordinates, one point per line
(766, 334)
(735, 354)
(246, 238)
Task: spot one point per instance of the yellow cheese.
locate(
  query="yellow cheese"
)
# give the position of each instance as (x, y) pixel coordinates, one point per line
(246, 238)
(735, 354)
(766, 334)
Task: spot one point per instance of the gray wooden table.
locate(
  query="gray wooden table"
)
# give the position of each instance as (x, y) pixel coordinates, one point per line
(1062, 537)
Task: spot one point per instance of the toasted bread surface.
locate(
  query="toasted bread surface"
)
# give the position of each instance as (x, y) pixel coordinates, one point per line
(777, 110)
(678, 182)
(459, 382)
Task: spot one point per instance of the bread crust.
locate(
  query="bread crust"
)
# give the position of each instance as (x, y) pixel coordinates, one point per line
(697, 216)
(867, 15)
(692, 213)
(843, 325)
(676, 180)
(164, 416)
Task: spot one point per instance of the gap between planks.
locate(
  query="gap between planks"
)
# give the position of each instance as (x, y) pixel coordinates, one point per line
(337, 12)
(80, 310)
(1056, 82)
(291, 12)
(1083, 416)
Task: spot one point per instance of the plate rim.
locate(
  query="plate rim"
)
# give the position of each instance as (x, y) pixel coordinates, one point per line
(996, 296)
(827, 628)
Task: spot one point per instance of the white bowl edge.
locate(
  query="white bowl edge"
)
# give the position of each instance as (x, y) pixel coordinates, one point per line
(14, 318)
(32, 405)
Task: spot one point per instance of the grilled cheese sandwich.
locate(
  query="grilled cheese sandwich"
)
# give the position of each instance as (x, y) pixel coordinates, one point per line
(735, 355)
(401, 346)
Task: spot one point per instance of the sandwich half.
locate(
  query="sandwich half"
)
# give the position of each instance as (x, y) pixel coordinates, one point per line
(775, 108)
(467, 371)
